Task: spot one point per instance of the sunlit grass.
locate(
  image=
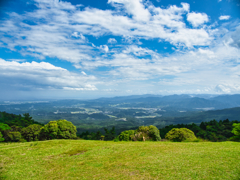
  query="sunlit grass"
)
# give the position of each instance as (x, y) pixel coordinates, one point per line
(80, 159)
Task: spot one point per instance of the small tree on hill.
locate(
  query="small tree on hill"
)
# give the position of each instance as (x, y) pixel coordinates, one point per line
(180, 134)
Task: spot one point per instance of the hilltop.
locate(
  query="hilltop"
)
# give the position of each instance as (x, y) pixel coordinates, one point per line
(81, 159)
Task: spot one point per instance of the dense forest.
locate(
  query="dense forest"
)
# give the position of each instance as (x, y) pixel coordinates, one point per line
(17, 120)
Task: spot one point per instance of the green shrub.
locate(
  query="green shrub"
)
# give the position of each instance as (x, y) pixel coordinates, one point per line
(116, 139)
(234, 138)
(180, 134)
(61, 129)
(126, 135)
(143, 133)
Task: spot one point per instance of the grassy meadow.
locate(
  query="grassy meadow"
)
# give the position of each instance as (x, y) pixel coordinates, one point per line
(81, 159)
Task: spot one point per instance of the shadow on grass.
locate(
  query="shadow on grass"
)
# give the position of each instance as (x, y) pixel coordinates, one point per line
(77, 151)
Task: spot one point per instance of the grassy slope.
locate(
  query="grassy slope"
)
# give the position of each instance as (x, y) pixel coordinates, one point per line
(119, 160)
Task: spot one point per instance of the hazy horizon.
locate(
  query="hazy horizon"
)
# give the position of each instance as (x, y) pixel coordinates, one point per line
(205, 96)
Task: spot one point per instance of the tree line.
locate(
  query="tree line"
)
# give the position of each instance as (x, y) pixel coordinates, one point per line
(212, 130)
(21, 128)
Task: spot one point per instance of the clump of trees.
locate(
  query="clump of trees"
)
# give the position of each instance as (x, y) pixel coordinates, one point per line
(180, 134)
(61, 129)
(109, 134)
(18, 128)
(143, 133)
(212, 130)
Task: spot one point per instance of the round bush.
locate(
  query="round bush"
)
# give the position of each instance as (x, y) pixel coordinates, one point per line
(143, 133)
(180, 134)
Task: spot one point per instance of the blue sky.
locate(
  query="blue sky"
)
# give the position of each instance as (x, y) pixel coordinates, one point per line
(89, 49)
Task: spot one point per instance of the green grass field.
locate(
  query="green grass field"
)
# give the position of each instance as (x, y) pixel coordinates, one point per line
(80, 159)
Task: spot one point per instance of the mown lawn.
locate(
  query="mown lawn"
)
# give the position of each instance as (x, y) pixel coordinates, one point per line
(80, 159)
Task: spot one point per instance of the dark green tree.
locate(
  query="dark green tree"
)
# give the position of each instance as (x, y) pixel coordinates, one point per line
(32, 132)
(15, 136)
(1, 137)
(109, 134)
(4, 129)
(126, 135)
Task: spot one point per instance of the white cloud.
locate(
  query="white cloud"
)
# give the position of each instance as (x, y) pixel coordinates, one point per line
(112, 40)
(224, 17)
(135, 8)
(54, 37)
(197, 19)
(76, 34)
(83, 73)
(227, 88)
(104, 48)
(63, 35)
(42, 75)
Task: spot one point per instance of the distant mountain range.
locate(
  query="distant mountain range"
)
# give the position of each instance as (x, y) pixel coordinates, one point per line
(187, 102)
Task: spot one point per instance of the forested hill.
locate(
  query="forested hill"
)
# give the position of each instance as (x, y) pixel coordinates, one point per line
(17, 120)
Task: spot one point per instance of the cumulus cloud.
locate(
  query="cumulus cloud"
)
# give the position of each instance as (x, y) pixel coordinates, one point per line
(104, 48)
(112, 40)
(58, 28)
(224, 17)
(43, 75)
(197, 19)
